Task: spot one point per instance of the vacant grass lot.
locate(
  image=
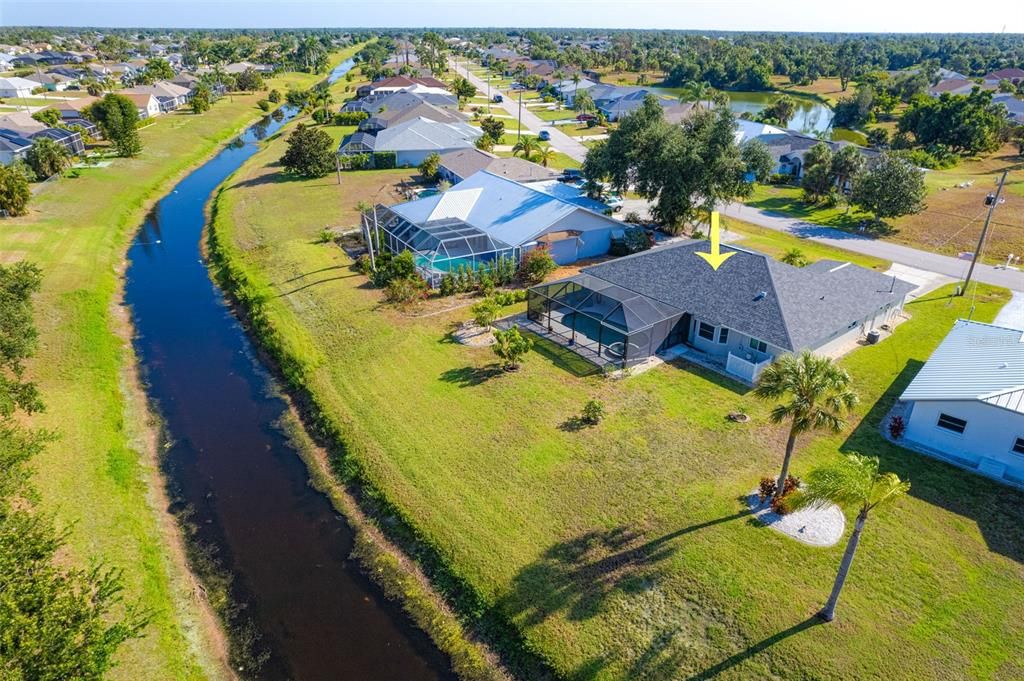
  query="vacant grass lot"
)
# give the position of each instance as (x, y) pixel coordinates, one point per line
(776, 244)
(623, 551)
(828, 89)
(94, 478)
(952, 221)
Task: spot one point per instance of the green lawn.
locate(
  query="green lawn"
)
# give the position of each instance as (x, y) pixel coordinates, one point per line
(96, 478)
(788, 200)
(623, 551)
(560, 161)
(776, 243)
(558, 115)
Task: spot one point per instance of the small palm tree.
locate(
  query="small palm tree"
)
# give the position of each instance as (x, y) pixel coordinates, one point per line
(701, 91)
(544, 155)
(854, 481)
(818, 393)
(527, 146)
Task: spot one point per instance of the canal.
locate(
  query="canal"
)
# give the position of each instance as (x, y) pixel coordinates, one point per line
(231, 472)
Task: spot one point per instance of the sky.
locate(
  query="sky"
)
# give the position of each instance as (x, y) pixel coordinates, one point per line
(883, 16)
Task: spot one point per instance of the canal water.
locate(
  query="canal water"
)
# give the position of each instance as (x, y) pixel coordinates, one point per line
(315, 615)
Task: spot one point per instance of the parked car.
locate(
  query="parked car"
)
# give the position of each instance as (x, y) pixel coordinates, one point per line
(497, 99)
(614, 201)
(544, 136)
(517, 86)
(572, 175)
(584, 117)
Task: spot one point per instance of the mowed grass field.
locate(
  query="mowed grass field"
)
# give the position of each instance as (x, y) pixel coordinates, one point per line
(952, 221)
(624, 551)
(96, 477)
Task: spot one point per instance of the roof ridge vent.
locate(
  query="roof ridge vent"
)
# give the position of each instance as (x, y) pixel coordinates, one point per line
(839, 267)
(761, 295)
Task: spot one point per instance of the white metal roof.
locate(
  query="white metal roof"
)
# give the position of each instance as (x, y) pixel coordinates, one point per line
(975, 361)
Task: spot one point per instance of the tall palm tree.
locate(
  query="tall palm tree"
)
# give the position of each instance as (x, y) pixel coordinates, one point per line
(527, 146)
(854, 481)
(818, 392)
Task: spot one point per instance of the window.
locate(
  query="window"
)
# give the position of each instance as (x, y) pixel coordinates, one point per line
(758, 345)
(723, 335)
(706, 331)
(951, 423)
(1018, 446)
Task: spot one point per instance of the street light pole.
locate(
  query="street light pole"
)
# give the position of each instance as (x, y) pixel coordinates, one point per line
(984, 232)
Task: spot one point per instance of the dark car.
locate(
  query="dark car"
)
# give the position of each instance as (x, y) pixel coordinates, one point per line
(544, 136)
(497, 99)
(571, 175)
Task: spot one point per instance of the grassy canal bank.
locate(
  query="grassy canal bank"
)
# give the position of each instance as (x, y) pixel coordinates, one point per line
(620, 551)
(100, 478)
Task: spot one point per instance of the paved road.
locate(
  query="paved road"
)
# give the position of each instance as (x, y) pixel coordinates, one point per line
(904, 255)
(559, 140)
(933, 262)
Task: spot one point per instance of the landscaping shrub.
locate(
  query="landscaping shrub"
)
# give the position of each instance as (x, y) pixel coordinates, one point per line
(485, 312)
(593, 412)
(897, 426)
(356, 161)
(506, 298)
(385, 160)
(322, 116)
(274, 96)
(405, 290)
(264, 104)
(779, 178)
(325, 236)
(391, 267)
(537, 265)
(350, 117)
(633, 218)
(447, 287)
(795, 257)
(767, 488)
(365, 265)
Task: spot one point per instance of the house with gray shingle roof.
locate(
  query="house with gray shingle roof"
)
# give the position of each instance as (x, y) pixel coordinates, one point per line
(741, 316)
(966, 404)
(459, 165)
(413, 140)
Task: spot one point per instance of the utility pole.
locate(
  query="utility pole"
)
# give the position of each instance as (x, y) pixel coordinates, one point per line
(984, 231)
(337, 166)
(519, 130)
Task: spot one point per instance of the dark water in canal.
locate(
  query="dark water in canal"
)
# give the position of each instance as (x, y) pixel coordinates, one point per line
(317, 616)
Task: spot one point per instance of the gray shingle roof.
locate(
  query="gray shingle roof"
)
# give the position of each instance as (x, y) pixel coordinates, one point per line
(975, 361)
(466, 162)
(789, 307)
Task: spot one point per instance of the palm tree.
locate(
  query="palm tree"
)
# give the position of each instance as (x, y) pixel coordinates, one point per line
(575, 84)
(818, 392)
(854, 481)
(544, 155)
(526, 146)
(701, 91)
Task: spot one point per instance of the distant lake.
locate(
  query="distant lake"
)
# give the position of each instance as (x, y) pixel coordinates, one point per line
(811, 116)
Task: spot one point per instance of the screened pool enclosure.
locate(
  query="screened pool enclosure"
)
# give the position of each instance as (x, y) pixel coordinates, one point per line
(439, 246)
(605, 323)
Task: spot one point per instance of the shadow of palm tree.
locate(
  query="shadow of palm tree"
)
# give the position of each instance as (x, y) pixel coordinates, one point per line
(577, 576)
(757, 648)
(466, 377)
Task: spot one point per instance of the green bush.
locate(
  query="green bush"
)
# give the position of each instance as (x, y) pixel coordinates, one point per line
(356, 161)
(537, 265)
(485, 312)
(350, 117)
(511, 346)
(593, 412)
(385, 160)
(405, 290)
(264, 104)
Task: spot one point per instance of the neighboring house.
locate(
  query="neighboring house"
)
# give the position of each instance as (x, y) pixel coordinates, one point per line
(487, 217)
(1015, 76)
(373, 104)
(788, 148)
(71, 109)
(954, 86)
(6, 61)
(748, 130)
(242, 66)
(1014, 106)
(146, 103)
(460, 165)
(945, 74)
(403, 84)
(568, 89)
(414, 140)
(16, 87)
(966, 405)
(169, 95)
(738, 318)
(52, 82)
(13, 146)
(493, 54)
(23, 125)
(413, 108)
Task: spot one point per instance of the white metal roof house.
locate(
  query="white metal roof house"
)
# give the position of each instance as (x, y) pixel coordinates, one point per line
(966, 405)
(487, 217)
(16, 87)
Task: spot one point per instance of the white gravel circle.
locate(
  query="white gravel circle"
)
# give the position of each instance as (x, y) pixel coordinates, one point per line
(813, 526)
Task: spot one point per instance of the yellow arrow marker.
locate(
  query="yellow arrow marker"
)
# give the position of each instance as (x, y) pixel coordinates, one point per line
(715, 258)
